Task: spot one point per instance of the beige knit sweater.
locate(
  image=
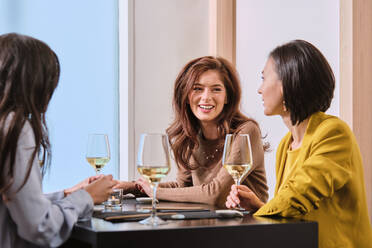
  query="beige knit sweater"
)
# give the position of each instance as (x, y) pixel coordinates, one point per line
(210, 183)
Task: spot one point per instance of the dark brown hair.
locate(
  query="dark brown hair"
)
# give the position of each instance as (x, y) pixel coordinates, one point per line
(185, 127)
(307, 78)
(29, 73)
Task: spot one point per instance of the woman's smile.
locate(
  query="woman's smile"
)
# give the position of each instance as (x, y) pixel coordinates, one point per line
(206, 108)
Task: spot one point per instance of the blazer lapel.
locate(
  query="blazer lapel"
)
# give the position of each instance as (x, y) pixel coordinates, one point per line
(280, 161)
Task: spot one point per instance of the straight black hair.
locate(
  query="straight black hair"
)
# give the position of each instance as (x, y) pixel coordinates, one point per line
(307, 78)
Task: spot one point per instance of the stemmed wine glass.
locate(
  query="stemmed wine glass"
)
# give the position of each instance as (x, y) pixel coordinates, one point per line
(98, 151)
(153, 163)
(237, 156)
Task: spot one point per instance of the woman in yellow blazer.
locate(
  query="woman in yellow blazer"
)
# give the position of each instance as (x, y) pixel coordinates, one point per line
(319, 169)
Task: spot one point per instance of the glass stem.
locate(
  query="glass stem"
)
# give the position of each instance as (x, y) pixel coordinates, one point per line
(153, 212)
(237, 181)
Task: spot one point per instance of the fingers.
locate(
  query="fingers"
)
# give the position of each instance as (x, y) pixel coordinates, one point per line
(239, 194)
(243, 188)
(139, 188)
(230, 203)
(141, 180)
(118, 184)
(144, 187)
(246, 194)
(233, 199)
(109, 176)
(94, 178)
(141, 184)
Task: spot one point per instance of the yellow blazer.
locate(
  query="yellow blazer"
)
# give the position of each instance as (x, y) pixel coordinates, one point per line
(326, 184)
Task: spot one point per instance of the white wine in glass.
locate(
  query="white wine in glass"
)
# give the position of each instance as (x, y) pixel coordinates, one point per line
(153, 163)
(98, 151)
(237, 156)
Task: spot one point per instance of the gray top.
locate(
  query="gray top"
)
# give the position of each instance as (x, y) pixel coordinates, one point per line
(31, 218)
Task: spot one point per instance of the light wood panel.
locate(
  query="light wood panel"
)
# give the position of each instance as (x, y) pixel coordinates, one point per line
(356, 78)
(222, 29)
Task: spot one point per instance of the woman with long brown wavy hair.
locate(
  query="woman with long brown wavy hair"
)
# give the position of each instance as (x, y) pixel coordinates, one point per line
(206, 103)
(29, 73)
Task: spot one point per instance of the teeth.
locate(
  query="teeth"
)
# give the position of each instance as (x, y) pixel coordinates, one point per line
(206, 107)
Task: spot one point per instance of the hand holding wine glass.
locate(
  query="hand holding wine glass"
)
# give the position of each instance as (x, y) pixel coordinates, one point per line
(241, 195)
(98, 151)
(237, 156)
(153, 163)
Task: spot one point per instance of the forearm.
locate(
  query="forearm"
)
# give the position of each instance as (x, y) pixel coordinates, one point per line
(169, 185)
(195, 194)
(45, 222)
(212, 193)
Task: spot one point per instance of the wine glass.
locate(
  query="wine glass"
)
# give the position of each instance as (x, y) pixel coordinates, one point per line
(98, 151)
(153, 163)
(237, 156)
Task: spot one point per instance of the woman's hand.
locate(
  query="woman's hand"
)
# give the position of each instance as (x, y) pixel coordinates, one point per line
(81, 185)
(244, 196)
(128, 187)
(100, 189)
(144, 186)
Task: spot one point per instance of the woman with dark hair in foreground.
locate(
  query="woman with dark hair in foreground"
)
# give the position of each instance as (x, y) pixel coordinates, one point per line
(29, 73)
(319, 170)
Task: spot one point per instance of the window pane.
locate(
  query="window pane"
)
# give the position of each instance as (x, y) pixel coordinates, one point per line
(84, 34)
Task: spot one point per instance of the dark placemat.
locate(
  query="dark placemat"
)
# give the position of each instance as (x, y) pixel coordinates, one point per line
(128, 216)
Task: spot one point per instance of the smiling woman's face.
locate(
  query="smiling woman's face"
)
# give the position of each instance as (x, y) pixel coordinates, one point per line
(207, 97)
(271, 90)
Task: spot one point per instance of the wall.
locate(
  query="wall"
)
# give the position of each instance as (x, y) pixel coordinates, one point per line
(84, 34)
(166, 35)
(263, 25)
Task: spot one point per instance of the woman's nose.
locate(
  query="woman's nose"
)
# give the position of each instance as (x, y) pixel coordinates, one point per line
(206, 94)
(259, 90)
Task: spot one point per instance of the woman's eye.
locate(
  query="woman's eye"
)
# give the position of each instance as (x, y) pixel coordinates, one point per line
(197, 88)
(217, 89)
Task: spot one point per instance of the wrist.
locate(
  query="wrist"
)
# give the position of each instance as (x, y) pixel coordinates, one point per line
(259, 204)
(68, 191)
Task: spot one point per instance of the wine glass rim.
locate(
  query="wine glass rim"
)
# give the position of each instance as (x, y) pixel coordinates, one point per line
(240, 134)
(154, 134)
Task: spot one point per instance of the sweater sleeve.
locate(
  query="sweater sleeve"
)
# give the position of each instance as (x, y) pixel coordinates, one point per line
(46, 220)
(326, 170)
(184, 179)
(213, 193)
(216, 191)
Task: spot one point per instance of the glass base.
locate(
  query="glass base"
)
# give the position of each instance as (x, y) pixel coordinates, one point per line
(239, 208)
(153, 221)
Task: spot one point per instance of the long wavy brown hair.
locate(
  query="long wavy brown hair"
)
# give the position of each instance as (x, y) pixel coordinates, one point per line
(29, 73)
(185, 127)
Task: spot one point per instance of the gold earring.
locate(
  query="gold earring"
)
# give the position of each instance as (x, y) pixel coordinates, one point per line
(284, 107)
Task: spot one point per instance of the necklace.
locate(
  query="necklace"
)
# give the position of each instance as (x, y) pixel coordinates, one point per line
(213, 154)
